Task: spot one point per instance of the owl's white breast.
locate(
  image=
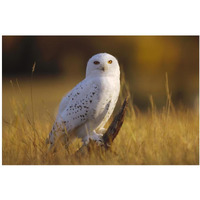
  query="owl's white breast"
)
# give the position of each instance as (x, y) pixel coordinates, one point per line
(107, 99)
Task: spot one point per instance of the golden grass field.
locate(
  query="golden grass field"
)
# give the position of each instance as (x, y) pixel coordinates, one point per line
(169, 136)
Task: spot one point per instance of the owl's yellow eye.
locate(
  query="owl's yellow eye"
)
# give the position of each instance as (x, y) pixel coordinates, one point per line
(96, 62)
(110, 61)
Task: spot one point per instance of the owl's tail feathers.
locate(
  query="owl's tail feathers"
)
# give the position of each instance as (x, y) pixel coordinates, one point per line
(54, 139)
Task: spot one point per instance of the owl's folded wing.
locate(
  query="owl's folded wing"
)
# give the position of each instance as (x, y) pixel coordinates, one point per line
(79, 104)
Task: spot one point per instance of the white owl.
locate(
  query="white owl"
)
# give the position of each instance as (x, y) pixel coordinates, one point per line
(84, 111)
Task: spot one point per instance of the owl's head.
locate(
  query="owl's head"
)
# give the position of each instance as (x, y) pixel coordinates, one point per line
(102, 64)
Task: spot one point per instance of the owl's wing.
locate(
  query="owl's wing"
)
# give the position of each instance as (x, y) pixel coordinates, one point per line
(64, 102)
(79, 105)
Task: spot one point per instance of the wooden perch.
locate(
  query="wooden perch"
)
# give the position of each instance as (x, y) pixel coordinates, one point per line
(110, 134)
(115, 126)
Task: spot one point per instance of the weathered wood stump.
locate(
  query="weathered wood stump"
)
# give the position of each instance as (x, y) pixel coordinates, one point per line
(109, 135)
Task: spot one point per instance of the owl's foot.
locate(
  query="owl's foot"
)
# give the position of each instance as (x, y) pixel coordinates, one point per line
(85, 140)
(98, 138)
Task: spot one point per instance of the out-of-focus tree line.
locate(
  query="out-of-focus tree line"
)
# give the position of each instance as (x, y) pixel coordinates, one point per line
(144, 59)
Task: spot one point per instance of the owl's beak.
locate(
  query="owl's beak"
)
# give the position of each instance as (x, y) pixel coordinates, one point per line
(103, 67)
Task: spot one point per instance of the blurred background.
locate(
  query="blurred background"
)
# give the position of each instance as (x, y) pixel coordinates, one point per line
(61, 63)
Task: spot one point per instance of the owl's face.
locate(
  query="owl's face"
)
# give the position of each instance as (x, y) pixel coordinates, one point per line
(102, 64)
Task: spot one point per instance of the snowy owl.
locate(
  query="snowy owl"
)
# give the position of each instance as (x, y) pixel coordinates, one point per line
(84, 111)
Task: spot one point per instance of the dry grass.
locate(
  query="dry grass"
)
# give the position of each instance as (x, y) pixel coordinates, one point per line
(168, 136)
